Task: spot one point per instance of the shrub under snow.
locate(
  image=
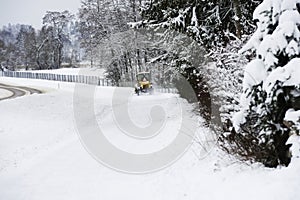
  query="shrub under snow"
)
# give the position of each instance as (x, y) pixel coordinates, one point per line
(270, 102)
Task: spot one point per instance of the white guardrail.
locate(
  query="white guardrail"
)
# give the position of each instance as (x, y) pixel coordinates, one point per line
(91, 80)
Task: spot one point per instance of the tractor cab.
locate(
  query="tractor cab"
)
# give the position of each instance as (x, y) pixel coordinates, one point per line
(143, 83)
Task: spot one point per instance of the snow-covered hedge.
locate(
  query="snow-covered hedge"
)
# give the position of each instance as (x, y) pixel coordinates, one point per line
(271, 94)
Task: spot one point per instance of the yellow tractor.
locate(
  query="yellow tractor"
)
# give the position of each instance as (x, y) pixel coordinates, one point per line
(143, 84)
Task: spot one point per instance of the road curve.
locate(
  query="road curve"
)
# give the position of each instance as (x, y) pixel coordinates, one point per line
(18, 91)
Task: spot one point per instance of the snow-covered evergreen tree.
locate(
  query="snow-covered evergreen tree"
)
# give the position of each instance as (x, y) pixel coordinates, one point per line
(210, 23)
(219, 27)
(271, 84)
(26, 47)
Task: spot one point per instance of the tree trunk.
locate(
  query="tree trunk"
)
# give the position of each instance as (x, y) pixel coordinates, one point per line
(38, 53)
(238, 13)
(59, 59)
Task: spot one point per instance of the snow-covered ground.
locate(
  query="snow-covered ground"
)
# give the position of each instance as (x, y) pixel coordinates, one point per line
(42, 157)
(5, 93)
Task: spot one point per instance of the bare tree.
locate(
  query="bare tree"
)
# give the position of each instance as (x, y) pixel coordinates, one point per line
(56, 23)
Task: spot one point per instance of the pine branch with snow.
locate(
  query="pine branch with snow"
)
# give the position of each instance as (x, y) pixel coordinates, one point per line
(270, 86)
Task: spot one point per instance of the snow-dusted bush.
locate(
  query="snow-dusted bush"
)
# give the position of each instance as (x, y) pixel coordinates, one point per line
(225, 76)
(271, 83)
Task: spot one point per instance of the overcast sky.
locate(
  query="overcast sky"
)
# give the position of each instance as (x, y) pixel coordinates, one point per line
(32, 11)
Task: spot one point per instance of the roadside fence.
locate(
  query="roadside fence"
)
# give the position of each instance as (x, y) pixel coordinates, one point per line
(90, 80)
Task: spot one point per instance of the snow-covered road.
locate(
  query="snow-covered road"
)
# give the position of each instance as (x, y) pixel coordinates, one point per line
(43, 157)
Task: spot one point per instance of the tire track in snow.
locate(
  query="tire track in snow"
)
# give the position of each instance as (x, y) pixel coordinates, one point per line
(17, 91)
